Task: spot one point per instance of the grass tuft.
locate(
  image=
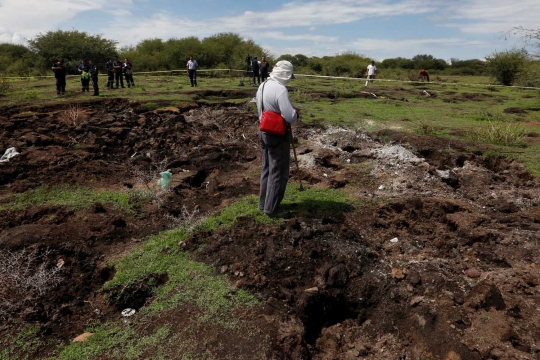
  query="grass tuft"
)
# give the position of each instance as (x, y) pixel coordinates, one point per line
(78, 197)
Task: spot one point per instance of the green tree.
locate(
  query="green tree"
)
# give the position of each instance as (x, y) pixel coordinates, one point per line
(72, 46)
(506, 66)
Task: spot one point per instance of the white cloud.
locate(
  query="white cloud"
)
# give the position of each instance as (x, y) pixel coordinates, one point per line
(491, 16)
(294, 14)
(23, 19)
(278, 35)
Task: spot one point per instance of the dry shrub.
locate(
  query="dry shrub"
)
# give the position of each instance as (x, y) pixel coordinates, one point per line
(187, 219)
(147, 181)
(25, 276)
(74, 115)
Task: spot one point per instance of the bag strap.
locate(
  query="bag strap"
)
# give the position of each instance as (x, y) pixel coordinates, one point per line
(262, 97)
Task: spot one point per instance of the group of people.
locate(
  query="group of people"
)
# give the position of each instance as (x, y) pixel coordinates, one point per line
(259, 69)
(116, 70)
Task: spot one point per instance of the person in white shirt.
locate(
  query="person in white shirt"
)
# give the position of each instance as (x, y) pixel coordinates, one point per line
(273, 96)
(371, 72)
(191, 67)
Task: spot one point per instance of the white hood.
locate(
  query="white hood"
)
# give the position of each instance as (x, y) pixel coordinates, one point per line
(282, 72)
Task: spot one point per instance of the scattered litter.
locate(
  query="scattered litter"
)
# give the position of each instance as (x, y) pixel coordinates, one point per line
(394, 240)
(135, 153)
(348, 161)
(11, 152)
(128, 312)
(381, 187)
(60, 264)
(244, 136)
(325, 175)
(427, 94)
(97, 311)
(312, 290)
(165, 180)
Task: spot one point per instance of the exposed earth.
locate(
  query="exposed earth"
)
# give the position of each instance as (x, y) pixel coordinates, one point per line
(436, 256)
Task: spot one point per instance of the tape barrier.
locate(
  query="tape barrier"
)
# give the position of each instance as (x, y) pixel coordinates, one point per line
(175, 72)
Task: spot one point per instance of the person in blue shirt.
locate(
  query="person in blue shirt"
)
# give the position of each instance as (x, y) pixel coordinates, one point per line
(110, 73)
(128, 71)
(255, 69)
(60, 74)
(118, 69)
(94, 72)
(85, 78)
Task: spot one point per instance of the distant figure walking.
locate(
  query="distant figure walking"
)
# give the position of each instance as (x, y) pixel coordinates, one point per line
(60, 74)
(264, 66)
(255, 68)
(191, 67)
(423, 75)
(371, 72)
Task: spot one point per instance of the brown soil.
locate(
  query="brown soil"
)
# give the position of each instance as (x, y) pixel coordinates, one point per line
(437, 257)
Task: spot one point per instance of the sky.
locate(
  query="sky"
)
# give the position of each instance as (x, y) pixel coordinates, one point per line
(463, 29)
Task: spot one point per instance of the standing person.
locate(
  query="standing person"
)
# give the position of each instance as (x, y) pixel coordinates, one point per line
(118, 69)
(264, 68)
(255, 69)
(94, 72)
(85, 78)
(109, 68)
(128, 71)
(272, 98)
(371, 72)
(191, 67)
(60, 74)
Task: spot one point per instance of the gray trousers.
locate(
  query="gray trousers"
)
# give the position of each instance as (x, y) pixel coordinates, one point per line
(275, 170)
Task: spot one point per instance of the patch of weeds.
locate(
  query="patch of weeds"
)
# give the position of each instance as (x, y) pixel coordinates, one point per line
(28, 96)
(21, 346)
(77, 197)
(151, 106)
(5, 87)
(120, 342)
(491, 115)
(499, 133)
(425, 127)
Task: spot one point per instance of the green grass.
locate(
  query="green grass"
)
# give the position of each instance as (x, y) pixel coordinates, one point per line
(77, 197)
(189, 282)
(20, 345)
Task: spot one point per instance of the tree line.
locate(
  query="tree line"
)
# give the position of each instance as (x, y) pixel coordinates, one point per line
(229, 51)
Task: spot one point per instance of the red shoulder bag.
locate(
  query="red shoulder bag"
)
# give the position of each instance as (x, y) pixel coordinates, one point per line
(272, 122)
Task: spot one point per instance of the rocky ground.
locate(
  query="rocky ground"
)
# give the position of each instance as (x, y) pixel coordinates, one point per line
(437, 257)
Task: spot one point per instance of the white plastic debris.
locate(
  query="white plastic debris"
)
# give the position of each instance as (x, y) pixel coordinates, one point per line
(325, 175)
(348, 161)
(427, 94)
(381, 187)
(11, 152)
(128, 312)
(394, 240)
(60, 264)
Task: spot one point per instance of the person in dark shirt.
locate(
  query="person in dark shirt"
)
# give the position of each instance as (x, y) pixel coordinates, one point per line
(85, 78)
(128, 71)
(255, 69)
(264, 66)
(94, 72)
(110, 74)
(118, 69)
(60, 74)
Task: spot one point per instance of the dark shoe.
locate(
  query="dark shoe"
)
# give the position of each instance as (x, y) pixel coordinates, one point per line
(279, 214)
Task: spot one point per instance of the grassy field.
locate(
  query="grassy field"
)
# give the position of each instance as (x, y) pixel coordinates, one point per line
(465, 108)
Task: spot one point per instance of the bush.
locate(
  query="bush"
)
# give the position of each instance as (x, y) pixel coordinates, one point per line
(500, 133)
(506, 66)
(530, 75)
